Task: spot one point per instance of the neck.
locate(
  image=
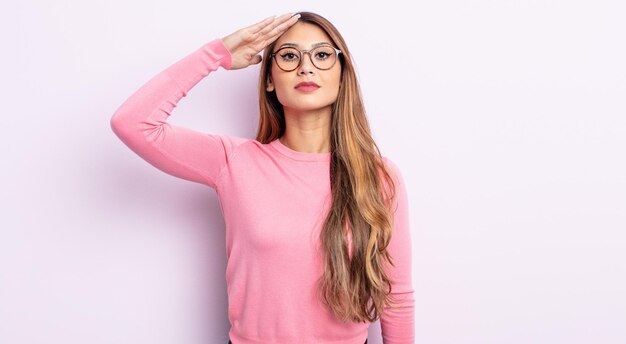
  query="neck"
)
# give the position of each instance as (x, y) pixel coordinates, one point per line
(307, 131)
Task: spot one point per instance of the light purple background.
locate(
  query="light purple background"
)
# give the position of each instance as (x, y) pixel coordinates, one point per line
(507, 119)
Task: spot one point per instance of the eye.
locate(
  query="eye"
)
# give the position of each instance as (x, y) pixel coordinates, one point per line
(322, 55)
(289, 55)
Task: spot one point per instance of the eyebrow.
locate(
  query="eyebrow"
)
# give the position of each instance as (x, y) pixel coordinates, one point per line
(312, 46)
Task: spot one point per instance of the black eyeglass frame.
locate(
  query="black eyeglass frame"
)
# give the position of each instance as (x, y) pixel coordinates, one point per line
(301, 57)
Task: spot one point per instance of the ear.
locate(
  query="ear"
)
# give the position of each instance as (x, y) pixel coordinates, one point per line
(270, 85)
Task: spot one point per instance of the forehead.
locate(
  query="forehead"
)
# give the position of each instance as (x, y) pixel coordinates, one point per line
(304, 35)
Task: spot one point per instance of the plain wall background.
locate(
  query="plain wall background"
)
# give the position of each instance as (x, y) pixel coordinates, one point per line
(507, 119)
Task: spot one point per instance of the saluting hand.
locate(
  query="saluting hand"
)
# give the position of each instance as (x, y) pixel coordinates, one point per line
(245, 44)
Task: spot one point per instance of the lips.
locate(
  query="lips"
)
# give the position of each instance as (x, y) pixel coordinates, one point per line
(307, 86)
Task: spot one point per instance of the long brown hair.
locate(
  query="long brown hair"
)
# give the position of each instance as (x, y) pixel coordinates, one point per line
(355, 288)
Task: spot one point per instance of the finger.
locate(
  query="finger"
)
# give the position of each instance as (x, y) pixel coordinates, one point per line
(254, 28)
(272, 36)
(279, 21)
(256, 32)
(262, 40)
(271, 39)
(282, 27)
(256, 59)
(258, 27)
(258, 41)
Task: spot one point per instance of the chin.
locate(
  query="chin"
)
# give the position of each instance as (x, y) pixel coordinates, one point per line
(304, 104)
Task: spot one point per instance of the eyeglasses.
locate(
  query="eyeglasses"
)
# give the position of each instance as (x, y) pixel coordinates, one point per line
(322, 57)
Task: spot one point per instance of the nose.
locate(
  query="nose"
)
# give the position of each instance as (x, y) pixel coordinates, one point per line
(306, 67)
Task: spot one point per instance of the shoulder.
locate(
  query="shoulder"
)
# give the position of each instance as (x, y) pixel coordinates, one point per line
(232, 140)
(399, 193)
(392, 168)
(243, 146)
(231, 143)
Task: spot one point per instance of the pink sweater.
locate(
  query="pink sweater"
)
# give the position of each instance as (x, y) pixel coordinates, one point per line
(274, 200)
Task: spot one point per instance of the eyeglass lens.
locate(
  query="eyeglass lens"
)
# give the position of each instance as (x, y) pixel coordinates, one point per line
(323, 57)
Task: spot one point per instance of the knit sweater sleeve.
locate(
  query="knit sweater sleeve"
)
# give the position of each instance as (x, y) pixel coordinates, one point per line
(141, 121)
(397, 324)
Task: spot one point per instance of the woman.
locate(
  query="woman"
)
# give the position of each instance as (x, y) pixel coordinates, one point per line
(317, 227)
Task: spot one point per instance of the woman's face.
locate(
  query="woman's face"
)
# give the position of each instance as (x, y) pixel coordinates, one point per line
(304, 36)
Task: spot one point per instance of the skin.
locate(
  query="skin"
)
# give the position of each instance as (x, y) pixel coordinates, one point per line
(307, 115)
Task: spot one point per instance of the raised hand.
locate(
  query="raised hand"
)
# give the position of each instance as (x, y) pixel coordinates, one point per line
(245, 44)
